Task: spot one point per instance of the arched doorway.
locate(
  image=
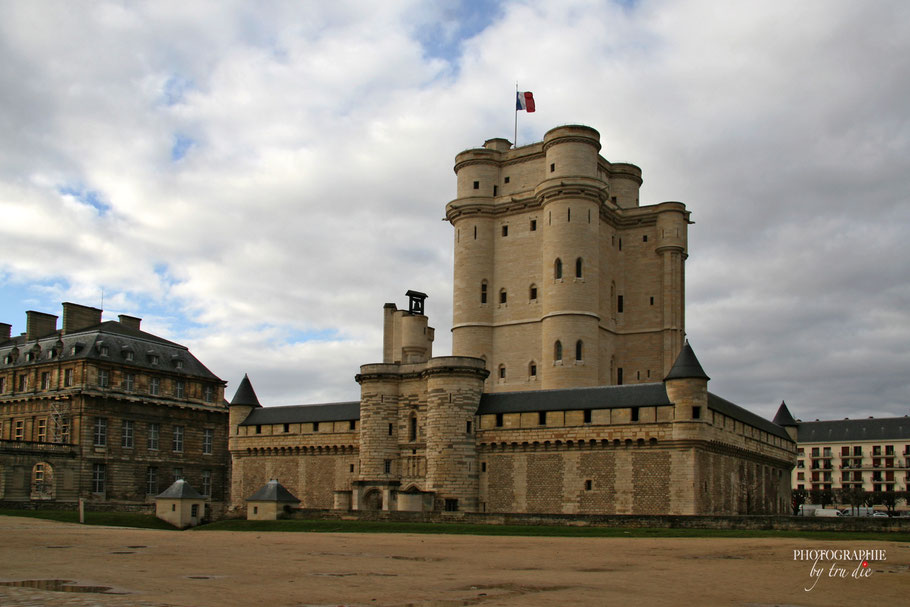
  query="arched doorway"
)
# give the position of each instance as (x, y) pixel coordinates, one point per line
(372, 500)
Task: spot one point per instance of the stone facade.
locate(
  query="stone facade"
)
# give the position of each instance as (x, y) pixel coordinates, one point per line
(106, 412)
(570, 389)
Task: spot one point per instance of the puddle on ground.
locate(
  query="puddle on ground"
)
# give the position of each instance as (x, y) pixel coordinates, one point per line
(123, 552)
(60, 586)
(58, 546)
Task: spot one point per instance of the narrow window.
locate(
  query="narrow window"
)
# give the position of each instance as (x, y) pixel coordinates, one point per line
(588, 485)
(104, 378)
(619, 302)
(179, 388)
(557, 351)
(634, 414)
(652, 301)
(619, 376)
(258, 428)
(98, 474)
(476, 185)
(390, 429)
(579, 350)
(502, 296)
(412, 434)
(499, 420)
(552, 167)
(533, 225)
(557, 269)
(100, 433)
(154, 386)
(126, 436)
(286, 428)
(532, 369)
(208, 439)
(352, 467)
(620, 244)
(151, 480)
(578, 267)
(483, 292)
(589, 215)
(506, 180)
(45, 381)
(502, 371)
(316, 427)
(569, 214)
(587, 416)
(483, 466)
(696, 412)
(67, 378)
(644, 238)
(505, 231)
(352, 425)
(468, 427)
(154, 430)
(208, 394)
(177, 444)
(542, 418)
(495, 190)
(532, 293)
(475, 232)
(388, 466)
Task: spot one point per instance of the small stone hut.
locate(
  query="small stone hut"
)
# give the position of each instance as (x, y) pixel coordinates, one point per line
(180, 505)
(269, 502)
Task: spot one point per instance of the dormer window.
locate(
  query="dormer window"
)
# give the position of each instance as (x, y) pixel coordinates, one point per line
(178, 363)
(105, 351)
(153, 359)
(129, 355)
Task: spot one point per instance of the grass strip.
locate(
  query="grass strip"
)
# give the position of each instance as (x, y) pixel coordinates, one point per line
(109, 519)
(356, 526)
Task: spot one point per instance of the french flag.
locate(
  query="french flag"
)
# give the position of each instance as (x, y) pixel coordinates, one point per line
(524, 101)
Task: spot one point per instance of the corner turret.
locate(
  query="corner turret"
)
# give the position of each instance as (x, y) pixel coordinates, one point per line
(687, 386)
(783, 419)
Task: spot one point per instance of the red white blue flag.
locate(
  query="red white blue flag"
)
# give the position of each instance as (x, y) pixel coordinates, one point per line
(524, 101)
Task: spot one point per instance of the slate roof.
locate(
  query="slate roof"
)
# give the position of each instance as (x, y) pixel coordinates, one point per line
(273, 491)
(686, 366)
(87, 343)
(294, 414)
(599, 397)
(245, 395)
(180, 490)
(744, 415)
(783, 418)
(845, 430)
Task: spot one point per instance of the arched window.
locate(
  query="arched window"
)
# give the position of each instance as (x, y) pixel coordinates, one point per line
(578, 267)
(557, 269)
(557, 351)
(579, 350)
(502, 371)
(483, 291)
(503, 296)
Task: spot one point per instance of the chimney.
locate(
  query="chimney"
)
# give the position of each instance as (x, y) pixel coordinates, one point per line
(76, 317)
(5, 331)
(130, 321)
(39, 324)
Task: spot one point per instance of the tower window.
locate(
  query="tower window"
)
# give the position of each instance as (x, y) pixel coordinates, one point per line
(503, 296)
(532, 369)
(696, 412)
(619, 376)
(532, 293)
(533, 225)
(413, 429)
(476, 185)
(587, 416)
(619, 302)
(634, 415)
(468, 427)
(652, 301)
(506, 180)
(388, 466)
(557, 269)
(644, 238)
(499, 420)
(541, 418)
(496, 191)
(588, 485)
(578, 267)
(569, 214)
(390, 429)
(505, 230)
(552, 167)
(579, 350)
(620, 244)
(557, 351)
(475, 232)
(483, 292)
(502, 371)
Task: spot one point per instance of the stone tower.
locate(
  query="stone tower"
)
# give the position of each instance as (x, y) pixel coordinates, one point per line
(561, 278)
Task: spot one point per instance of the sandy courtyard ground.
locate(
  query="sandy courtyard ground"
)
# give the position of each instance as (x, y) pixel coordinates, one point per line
(196, 568)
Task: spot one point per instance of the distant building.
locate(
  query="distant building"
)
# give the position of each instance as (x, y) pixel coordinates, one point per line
(571, 388)
(871, 454)
(106, 412)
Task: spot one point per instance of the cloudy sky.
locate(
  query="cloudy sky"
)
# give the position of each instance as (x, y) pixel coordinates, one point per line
(255, 180)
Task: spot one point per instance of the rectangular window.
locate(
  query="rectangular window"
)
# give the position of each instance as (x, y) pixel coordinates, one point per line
(154, 386)
(207, 483)
(619, 304)
(388, 466)
(154, 433)
(208, 394)
(178, 474)
(619, 376)
(2, 384)
(634, 415)
(208, 439)
(468, 427)
(451, 505)
(499, 420)
(129, 380)
(23, 383)
(177, 443)
(844, 451)
(877, 450)
(815, 451)
(316, 428)
(67, 378)
(857, 450)
(696, 412)
(98, 478)
(104, 378)
(587, 416)
(100, 432)
(541, 418)
(151, 481)
(495, 190)
(19, 430)
(287, 428)
(505, 230)
(533, 225)
(179, 388)
(506, 180)
(352, 425)
(390, 429)
(126, 437)
(64, 430)
(45, 381)
(588, 485)
(889, 449)
(476, 185)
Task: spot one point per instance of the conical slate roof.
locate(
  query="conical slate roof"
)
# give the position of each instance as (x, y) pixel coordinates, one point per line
(686, 366)
(180, 490)
(782, 417)
(273, 491)
(245, 395)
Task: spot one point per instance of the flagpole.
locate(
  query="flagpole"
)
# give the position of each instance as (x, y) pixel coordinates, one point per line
(515, 137)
